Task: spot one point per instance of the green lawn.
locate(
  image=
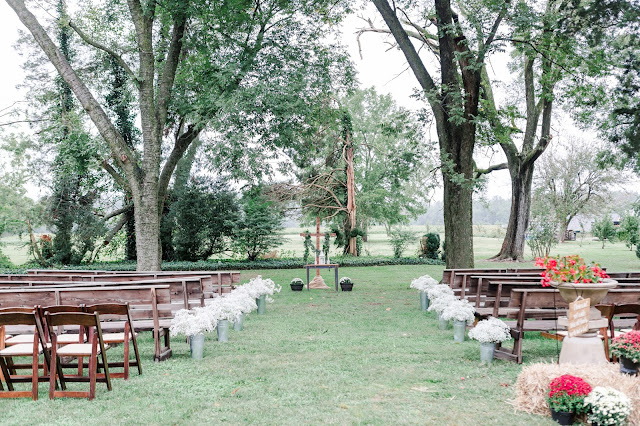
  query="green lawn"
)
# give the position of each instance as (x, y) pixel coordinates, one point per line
(366, 357)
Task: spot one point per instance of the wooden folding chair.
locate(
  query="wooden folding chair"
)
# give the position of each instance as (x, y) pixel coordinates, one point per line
(119, 311)
(19, 338)
(631, 317)
(34, 349)
(92, 349)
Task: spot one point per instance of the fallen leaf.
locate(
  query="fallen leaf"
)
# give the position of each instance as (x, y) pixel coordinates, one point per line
(504, 385)
(344, 407)
(235, 391)
(462, 378)
(388, 309)
(216, 404)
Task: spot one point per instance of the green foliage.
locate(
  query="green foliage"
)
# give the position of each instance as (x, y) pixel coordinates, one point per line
(308, 246)
(430, 245)
(205, 214)
(326, 244)
(542, 234)
(629, 231)
(254, 233)
(359, 244)
(400, 240)
(603, 229)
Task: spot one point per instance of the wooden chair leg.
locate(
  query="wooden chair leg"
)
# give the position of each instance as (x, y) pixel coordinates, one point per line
(137, 354)
(93, 368)
(5, 372)
(126, 351)
(605, 339)
(53, 370)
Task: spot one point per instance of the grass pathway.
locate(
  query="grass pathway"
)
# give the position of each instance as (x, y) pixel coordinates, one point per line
(366, 357)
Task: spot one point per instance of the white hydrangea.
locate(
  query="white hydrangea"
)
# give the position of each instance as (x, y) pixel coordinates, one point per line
(607, 406)
(438, 290)
(491, 330)
(423, 283)
(439, 304)
(459, 310)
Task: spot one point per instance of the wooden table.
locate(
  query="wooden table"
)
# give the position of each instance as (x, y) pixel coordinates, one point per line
(324, 266)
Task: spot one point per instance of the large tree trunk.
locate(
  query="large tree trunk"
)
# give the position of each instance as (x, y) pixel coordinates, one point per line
(147, 215)
(458, 234)
(514, 240)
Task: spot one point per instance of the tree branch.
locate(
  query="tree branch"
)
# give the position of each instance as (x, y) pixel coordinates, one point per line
(120, 180)
(181, 145)
(169, 71)
(104, 48)
(501, 166)
(115, 229)
(118, 212)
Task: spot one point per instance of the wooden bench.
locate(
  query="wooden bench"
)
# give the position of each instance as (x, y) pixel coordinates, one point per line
(186, 291)
(538, 309)
(151, 307)
(453, 277)
(215, 282)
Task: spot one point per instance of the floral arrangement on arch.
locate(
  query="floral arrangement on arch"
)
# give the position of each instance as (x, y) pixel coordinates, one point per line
(459, 310)
(607, 406)
(568, 393)
(423, 283)
(627, 345)
(490, 330)
(571, 269)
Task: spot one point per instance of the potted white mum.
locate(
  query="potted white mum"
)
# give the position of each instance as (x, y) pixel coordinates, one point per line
(489, 332)
(461, 312)
(607, 406)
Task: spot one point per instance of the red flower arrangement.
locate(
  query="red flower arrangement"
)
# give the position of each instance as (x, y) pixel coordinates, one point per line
(571, 269)
(627, 345)
(567, 393)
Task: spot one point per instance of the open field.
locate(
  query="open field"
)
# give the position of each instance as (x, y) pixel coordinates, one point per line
(616, 257)
(366, 357)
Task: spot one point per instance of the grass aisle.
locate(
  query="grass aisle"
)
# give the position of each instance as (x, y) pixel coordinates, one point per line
(366, 357)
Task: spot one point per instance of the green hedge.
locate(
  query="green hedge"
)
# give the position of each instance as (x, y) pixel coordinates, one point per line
(231, 264)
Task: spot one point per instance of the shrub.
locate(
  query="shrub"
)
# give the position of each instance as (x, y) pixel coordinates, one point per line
(205, 214)
(430, 245)
(604, 230)
(400, 240)
(542, 235)
(255, 232)
(629, 231)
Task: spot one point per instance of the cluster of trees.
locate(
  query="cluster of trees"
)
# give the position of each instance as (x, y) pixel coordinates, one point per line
(152, 98)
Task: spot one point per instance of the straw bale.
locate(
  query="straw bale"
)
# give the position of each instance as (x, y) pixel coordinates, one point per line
(532, 385)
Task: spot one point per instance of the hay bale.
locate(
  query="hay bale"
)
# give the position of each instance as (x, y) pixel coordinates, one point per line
(532, 385)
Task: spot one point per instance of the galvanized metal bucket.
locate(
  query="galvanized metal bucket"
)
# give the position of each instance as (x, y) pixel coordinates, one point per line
(459, 327)
(442, 323)
(196, 344)
(486, 352)
(424, 301)
(262, 304)
(238, 323)
(223, 331)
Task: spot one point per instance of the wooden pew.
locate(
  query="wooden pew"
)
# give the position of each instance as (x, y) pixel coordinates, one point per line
(453, 277)
(216, 282)
(189, 292)
(151, 307)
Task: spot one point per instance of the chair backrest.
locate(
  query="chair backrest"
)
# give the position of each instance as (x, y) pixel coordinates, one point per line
(18, 318)
(72, 318)
(56, 309)
(23, 309)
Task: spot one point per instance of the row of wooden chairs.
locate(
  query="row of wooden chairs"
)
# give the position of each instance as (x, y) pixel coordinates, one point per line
(49, 339)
